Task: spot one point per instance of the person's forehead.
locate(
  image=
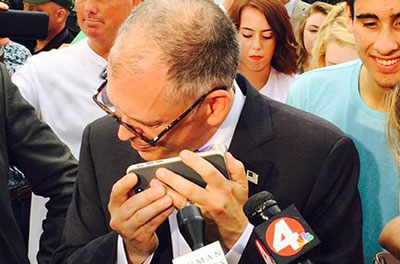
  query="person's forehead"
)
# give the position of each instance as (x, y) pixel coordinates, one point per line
(316, 18)
(381, 9)
(138, 95)
(252, 17)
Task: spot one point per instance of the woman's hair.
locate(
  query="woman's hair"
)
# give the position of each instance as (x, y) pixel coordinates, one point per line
(284, 58)
(393, 131)
(333, 30)
(316, 7)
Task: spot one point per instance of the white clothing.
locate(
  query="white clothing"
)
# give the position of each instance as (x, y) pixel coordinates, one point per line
(290, 6)
(60, 85)
(180, 247)
(278, 85)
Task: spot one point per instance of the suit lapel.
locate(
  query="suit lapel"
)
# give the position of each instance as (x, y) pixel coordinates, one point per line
(253, 131)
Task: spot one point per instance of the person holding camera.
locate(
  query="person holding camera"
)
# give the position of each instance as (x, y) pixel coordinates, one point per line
(58, 32)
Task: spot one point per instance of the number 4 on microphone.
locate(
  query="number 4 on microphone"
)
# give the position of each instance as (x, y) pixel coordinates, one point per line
(284, 234)
(287, 236)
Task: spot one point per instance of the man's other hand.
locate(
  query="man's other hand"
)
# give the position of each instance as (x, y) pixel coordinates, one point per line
(221, 201)
(137, 217)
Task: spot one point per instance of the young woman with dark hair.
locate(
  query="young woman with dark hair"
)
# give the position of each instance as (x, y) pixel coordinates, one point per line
(268, 46)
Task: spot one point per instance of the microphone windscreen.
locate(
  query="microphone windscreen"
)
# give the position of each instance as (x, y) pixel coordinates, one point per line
(255, 201)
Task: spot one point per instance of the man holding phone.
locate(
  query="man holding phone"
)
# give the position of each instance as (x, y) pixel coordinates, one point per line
(171, 87)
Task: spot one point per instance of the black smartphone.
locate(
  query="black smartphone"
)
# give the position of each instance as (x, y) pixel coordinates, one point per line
(24, 24)
(146, 171)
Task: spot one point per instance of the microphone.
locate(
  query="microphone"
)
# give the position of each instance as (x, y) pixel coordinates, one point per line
(282, 236)
(192, 227)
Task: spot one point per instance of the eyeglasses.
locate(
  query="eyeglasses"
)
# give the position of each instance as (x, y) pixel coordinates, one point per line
(131, 129)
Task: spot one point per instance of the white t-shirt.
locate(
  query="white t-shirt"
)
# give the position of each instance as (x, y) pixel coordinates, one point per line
(60, 85)
(278, 85)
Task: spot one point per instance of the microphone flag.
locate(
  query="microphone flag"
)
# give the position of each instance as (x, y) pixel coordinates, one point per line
(286, 236)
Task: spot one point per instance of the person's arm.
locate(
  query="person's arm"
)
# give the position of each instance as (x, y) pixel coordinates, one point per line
(87, 237)
(390, 237)
(24, 78)
(333, 209)
(43, 158)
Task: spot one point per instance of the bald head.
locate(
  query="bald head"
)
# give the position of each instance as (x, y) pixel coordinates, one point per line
(193, 38)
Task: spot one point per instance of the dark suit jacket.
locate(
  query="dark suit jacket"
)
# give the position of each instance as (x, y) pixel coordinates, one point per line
(301, 159)
(47, 163)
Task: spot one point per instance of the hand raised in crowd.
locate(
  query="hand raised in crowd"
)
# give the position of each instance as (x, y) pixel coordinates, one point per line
(136, 218)
(221, 201)
(4, 41)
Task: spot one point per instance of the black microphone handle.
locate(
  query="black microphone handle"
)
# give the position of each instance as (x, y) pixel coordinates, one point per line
(192, 226)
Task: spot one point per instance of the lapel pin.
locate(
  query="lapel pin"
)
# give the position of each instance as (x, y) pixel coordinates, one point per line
(252, 176)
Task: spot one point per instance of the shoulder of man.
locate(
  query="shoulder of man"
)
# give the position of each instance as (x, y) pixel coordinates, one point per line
(102, 136)
(289, 120)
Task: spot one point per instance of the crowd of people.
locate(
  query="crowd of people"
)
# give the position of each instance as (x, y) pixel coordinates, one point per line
(305, 95)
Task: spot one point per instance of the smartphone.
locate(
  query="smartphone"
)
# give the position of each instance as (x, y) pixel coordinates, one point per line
(24, 24)
(146, 171)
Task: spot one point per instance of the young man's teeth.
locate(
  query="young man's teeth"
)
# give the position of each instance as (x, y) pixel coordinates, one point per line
(387, 62)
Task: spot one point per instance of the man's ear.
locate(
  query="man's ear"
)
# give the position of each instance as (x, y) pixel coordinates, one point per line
(61, 15)
(349, 18)
(218, 106)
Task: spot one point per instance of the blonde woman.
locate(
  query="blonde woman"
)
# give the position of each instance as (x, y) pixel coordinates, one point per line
(334, 43)
(307, 31)
(390, 236)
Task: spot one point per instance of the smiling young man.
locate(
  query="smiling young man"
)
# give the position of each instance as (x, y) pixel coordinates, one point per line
(353, 97)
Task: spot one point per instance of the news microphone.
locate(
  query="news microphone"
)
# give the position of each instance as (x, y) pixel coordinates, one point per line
(192, 227)
(282, 236)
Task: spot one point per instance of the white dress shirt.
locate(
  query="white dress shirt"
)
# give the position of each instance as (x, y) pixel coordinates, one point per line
(224, 136)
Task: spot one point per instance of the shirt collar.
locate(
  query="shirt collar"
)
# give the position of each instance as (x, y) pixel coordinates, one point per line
(225, 132)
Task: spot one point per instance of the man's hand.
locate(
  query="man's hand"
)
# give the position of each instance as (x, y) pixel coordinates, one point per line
(221, 201)
(136, 218)
(4, 41)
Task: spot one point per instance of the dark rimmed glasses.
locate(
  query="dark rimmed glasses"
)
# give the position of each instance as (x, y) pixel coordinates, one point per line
(131, 129)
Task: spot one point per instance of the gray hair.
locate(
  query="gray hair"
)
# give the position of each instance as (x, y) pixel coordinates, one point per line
(198, 42)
